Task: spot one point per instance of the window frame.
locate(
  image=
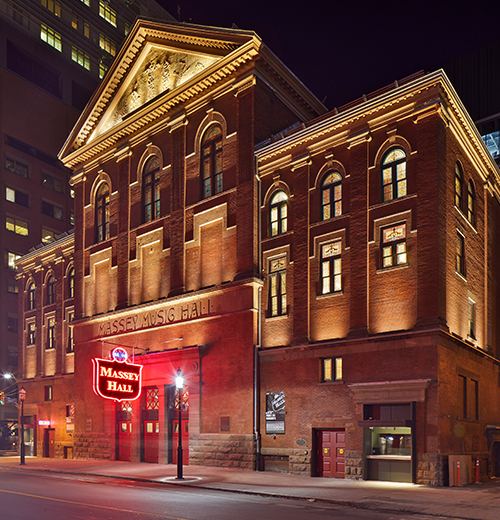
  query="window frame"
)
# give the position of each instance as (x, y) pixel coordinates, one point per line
(71, 282)
(51, 37)
(459, 186)
(102, 213)
(331, 191)
(212, 178)
(51, 333)
(331, 370)
(32, 296)
(471, 319)
(31, 328)
(277, 305)
(460, 265)
(391, 242)
(151, 190)
(333, 261)
(17, 226)
(51, 290)
(278, 202)
(14, 166)
(471, 203)
(392, 166)
(70, 347)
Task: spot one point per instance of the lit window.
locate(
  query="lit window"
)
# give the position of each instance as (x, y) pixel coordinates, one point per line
(459, 182)
(71, 283)
(48, 393)
(51, 290)
(331, 268)
(460, 254)
(127, 28)
(102, 213)
(86, 2)
(16, 196)
(278, 213)
(48, 236)
(471, 200)
(152, 399)
(51, 210)
(212, 161)
(51, 333)
(331, 196)
(71, 344)
(11, 259)
(53, 38)
(394, 246)
(394, 175)
(72, 193)
(107, 44)
(31, 333)
(86, 29)
(107, 13)
(31, 297)
(80, 57)
(17, 226)
(16, 167)
(52, 183)
(472, 319)
(151, 190)
(54, 6)
(102, 70)
(277, 287)
(331, 369)
(72, 218)
(74, 20)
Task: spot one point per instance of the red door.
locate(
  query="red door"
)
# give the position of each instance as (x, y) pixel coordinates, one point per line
(124, 440)
(331, 456)
(151, 437)
(185, 441)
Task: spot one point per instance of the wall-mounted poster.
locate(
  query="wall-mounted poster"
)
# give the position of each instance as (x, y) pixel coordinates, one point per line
(275, 412)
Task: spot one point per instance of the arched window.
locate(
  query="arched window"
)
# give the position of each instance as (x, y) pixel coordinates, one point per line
(31, 297)
(459, 186)
(151, 190)
(71, 283)
(102, 212)
(278, 213)
(51, 290)
(394, 175)
(471, 201)
(211, 150)
(331, 196)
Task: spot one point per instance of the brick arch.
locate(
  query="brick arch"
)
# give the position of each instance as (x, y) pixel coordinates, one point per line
(48, 274)
(29, 281)
(394, 141)
(101, 178)
(330, 166)
(210, 119)
(70, 265)
(276, 186)
(151, 151)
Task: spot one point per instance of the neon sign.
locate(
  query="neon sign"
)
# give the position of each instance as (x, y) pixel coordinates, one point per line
(117, 378)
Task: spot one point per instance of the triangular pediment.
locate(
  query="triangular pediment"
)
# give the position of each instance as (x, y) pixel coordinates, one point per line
(158, 62)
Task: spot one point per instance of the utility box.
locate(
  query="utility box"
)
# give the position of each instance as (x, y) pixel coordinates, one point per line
(464, 470)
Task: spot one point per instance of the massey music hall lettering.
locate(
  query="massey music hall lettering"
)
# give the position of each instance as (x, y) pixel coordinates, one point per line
(163, 316)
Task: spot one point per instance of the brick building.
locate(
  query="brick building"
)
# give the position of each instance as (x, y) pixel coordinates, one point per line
(326, 290)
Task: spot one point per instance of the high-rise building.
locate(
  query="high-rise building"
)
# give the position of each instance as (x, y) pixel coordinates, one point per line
(52, 56)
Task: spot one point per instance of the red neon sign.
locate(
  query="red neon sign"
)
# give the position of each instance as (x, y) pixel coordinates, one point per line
(117, 378)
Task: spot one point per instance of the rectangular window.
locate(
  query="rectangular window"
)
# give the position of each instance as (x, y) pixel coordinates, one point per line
(394, 246)
(86, 2)
(16, 167)
(48, 393)
(17, 226)
(53, 183)
(107, 13)
(127, 28)
(70, 348)
(31, 333)
(71, 218)
(51, 210)
(331, 369)
(107, 44)
(472, 320)
(12, 287)
(460, 254)
(16, 196)
(80, 57)
(48, 236)
(54, 6)
(152, 399)
(463, 384)
(12, 357)
(53, 38)
(277, 287)
(102, 70)
(11, 323)
(11, 259)
(51, 333)
(331, 268)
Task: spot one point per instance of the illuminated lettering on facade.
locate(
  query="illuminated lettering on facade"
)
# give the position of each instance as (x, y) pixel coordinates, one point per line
(147, 319)
(117, 378)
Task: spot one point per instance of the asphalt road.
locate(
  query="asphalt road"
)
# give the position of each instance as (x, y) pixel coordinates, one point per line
(38, 496)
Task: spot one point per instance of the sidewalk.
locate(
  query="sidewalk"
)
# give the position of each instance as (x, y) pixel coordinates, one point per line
(481, 501)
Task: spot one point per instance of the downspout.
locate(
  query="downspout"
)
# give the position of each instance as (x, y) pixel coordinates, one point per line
(256, 374)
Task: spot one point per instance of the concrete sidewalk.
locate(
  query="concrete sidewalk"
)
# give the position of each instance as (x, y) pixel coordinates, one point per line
(481, 501)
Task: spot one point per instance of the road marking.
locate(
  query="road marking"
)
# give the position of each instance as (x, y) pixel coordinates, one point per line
(92, 505)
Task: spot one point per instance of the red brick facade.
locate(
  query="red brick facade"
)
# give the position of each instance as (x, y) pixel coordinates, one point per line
(195, 249)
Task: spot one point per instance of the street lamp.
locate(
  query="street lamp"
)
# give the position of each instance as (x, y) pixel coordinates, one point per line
(22, 397)
(179, 383)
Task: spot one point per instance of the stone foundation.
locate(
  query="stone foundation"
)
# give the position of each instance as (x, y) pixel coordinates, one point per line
(227, 451)
(91, 446)
(354, 465)
(432, 469)
(286, 460)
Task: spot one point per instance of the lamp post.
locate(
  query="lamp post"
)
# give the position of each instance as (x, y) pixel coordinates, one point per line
(22, 397)
(179, 384)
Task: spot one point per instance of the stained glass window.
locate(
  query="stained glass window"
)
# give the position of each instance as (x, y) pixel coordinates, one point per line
(212, 162)
(394, 246)
(184, 400)
(31, 297)
(394, 184)
(152, 399)
(331, 196)
(151, 190)
(31, 333)
(277, 286)
(102, 212)
(51, 331)
(279, 213)
(331, 267)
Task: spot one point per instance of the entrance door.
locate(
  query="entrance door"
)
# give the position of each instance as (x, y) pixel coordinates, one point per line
(151, 437)
(125, 440)
(185, 440)
(331, 453)
(49, 437)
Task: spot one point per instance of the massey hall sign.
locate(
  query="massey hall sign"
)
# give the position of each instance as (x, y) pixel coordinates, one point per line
(117, 378)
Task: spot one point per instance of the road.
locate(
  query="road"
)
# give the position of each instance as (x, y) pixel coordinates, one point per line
(41, 496)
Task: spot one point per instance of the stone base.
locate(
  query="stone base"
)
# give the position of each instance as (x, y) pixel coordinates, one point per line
(432, 469)
(354, 465)
(91, 446)
(227, 451)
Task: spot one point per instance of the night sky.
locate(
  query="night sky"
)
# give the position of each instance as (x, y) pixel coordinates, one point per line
(342, 50)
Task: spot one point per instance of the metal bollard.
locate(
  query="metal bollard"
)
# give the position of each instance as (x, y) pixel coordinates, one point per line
(458, 473)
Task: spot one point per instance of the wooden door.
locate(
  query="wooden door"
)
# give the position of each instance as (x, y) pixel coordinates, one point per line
(331, 453)
(125, 440)
(151, 438)
(49, 437)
